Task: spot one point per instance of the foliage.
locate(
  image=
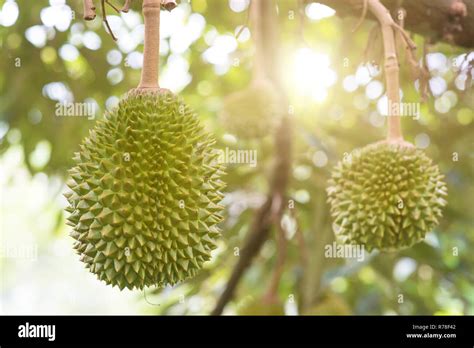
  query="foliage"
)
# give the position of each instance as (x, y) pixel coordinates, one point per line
(336, 101)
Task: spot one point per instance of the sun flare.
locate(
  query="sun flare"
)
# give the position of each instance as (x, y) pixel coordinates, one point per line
(311, 75)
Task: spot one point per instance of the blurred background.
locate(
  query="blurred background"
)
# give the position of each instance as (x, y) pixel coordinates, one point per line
(337, 104)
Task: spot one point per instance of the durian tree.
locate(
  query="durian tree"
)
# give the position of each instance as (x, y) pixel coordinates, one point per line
(147, 205)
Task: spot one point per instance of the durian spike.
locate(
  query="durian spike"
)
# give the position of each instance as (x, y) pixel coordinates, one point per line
(394, 131)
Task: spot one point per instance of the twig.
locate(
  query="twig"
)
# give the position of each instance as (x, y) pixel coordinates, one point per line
(401, 36)
(241, 30)
(424, 74)
(104, 18)
(408, 41)
(320, 236)
(282, 246)
(169, 4)
(257, 236)
(112, 5)
(89, 10)
(147, 301)
(126, 6)
(468, 82)
(362, 17)
(418, 72)
(304, 254)
(373, 35)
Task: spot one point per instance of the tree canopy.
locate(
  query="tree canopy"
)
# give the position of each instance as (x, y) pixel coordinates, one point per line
(334, 86)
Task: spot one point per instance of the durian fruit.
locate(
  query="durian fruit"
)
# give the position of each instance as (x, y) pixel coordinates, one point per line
(253, 112)
(387, 196)
(330, 304)
(145, 192)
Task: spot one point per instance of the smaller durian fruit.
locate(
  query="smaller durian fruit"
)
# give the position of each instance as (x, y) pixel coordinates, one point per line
(386, 196)
(330, 304)
(262, 306)
(253, 112)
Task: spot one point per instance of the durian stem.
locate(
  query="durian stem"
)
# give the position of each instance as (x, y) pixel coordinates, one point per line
(394, 131)
(256, 23)
(89, 10)
(151, 51)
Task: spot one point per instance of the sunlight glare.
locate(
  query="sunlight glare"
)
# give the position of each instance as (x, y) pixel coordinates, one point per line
(311, 74)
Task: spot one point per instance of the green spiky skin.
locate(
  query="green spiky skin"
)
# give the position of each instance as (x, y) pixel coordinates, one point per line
(145, 193)
(253, 112)
(387, 197)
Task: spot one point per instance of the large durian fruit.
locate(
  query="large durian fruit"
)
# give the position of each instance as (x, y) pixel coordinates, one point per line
(253, 112)
(387, 196)
(145, 192)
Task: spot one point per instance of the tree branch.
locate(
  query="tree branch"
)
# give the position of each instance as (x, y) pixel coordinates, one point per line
(271, 296)
(257, 236)
(274, 204)
(451, 21)
(266, 215)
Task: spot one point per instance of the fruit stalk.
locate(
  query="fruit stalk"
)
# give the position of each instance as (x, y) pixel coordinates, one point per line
(89, 10)
(151, 51)
(394, 132)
